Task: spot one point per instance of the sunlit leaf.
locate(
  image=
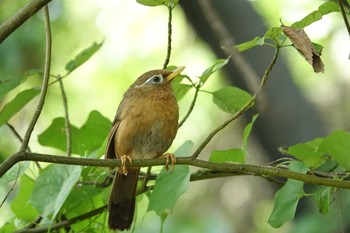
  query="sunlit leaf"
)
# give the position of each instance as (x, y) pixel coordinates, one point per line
(14, 173)
(17, 103)
(171, 3)
(231, 99)
(287, 198)
(180, 89)
(21, 202)
(82, 57)
(212, 69)
(235, 155)
(247, 131)
(52, 187)
(308, 152)
(84, 140)
(273, 33)
(337, 145)
(325, 8)
(8, 227)
(172, 185)
(257, 41)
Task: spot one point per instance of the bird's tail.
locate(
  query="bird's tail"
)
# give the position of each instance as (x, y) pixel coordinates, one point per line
(122, 200)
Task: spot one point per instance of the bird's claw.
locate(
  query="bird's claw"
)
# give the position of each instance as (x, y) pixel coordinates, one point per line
(123, 165)
(171, 157)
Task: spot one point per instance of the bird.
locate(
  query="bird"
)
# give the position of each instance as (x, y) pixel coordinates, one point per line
(144, 127)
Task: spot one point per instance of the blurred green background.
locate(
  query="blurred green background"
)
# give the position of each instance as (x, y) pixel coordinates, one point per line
(135, 41)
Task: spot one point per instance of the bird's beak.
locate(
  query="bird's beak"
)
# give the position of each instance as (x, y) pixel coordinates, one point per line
(174, 73)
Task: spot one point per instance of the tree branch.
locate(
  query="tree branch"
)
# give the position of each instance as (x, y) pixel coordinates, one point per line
(17, 19)
(167, 58)
(48, 44)
(345, 18)
(65, 223)
(233, 168)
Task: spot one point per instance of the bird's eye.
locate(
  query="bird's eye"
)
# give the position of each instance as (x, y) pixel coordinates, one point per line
(156, 79)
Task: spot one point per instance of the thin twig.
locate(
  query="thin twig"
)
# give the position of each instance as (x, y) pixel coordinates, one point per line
(145, 179)
(12, 187)
(17, 19)
(14, 131)
(190, 109)
(167, 58)
(345, 18)
(44, 86)
(65, 223)
(34, 223)
(242, 110)
(17, 135)
(66, 117)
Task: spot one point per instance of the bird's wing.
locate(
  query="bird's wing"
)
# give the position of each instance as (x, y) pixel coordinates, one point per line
(110, 150)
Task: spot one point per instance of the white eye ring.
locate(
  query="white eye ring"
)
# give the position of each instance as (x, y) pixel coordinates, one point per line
(155, 79)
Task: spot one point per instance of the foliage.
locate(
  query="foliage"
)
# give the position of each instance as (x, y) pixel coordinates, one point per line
(62, 191)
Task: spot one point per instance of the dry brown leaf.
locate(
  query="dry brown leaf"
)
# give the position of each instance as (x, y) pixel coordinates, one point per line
(303, 44)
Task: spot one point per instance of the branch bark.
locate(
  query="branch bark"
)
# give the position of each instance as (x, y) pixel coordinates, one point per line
(17, 19)
(234, 168)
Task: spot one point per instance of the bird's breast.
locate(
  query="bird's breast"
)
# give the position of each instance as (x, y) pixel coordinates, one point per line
(148, 128)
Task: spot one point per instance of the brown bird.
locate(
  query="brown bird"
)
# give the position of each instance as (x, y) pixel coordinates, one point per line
(144, 128)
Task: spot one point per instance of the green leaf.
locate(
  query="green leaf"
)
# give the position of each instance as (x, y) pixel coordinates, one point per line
(8, 227)
(235, 155)
(169, 187)
(84, 140)
(180, 89)
(20, 203)
(54, 136)
(212, 69)
(171, 3)
(7, 85)
(14, 172)
(247, 131)
(324, 9)
(337, 145)
(318, 48)
(257, 41)
(12, 107)
(308, 152)
(287, 198)
(52, 188)
(273, 33)
(82, 57)
(231, 99)
(322, 199)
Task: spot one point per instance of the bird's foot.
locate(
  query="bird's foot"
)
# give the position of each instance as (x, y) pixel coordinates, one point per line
(168, 157)
(123, 165)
